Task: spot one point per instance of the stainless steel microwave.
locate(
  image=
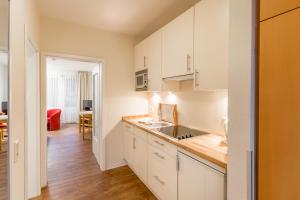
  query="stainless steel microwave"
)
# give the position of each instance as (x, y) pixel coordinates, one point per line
(141, 80)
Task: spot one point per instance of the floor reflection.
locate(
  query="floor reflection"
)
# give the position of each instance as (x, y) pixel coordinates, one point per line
(3, 173)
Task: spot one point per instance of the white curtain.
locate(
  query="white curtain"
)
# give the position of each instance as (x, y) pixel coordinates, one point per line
(63, 92)
(85, 89)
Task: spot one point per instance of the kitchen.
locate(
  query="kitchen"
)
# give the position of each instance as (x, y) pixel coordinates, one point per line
(179, 148)
(176, 79)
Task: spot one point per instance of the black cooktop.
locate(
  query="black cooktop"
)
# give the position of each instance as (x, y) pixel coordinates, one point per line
(180, 132)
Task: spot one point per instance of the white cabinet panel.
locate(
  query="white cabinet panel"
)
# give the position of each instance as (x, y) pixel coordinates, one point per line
(128, 143)
(211, 44)
(198, 181)
(140, 158)
(178, 41)
(154, 61)
(135, 150)
(140, 51)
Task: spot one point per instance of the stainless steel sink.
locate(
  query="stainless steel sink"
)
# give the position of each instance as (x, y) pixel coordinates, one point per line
(155, 124)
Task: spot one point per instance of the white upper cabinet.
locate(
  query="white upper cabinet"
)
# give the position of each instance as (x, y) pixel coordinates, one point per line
(177, 44)
(154, 65)
(211, 44)
(140, 54)
(154, 61)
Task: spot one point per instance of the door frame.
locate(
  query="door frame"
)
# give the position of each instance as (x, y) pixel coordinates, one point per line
(43, 109)
(96, 112)
(35, 189)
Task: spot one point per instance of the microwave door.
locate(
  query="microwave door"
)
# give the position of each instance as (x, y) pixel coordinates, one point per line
(140, 81)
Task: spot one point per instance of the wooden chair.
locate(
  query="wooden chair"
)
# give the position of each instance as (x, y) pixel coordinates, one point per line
(87, 122)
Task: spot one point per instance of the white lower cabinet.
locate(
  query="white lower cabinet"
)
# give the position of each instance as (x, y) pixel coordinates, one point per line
(128, 143)
(140, 155)
(135, 151)
(198, 181)
(169, 173)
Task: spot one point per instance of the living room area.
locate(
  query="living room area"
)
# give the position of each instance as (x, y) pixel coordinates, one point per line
(70, 95)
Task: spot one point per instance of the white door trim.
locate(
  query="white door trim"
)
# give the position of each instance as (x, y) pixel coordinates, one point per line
(32, 173)
(43, 124)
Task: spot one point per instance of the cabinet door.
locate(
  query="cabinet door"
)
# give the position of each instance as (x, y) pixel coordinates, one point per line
(198, 181)
(140, 56)
(154, 61)
(140, 158)
(270, 8)
(128, 144)
(211, 44)
(178, 39)
(279, 107)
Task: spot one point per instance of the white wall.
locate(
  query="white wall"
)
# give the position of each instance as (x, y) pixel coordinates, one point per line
(240, 96)
(21, 13)
(116, 50)
(201, 110)
(3, 26)
(16, 97)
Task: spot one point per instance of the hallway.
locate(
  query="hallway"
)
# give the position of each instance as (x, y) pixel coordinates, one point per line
(73, 172)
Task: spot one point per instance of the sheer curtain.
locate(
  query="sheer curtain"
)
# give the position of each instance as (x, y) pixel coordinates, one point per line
(85, 87)
(63, 92)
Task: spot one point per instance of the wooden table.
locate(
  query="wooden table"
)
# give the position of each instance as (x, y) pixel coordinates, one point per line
(3, 119)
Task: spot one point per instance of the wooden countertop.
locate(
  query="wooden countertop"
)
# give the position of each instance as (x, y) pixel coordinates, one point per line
(210, 147)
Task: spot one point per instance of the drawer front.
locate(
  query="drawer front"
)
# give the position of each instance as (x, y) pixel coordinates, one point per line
(161, 159)
(162, 174)
(162, 145)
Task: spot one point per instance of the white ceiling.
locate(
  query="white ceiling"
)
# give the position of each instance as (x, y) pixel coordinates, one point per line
(60, 64)
(133, 17)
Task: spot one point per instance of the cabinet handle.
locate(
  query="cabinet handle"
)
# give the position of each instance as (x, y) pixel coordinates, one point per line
(188, 58)
(160, 156)
(144, 61)
(196, 78)
(177, 163)
(158, 179)
(134, 147)
(157, 142)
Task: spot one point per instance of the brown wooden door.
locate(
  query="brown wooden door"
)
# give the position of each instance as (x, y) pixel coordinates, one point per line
(279, 108)
(270, 8)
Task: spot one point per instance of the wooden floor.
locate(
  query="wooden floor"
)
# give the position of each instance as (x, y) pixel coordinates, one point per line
(73, 172)
(3, 173)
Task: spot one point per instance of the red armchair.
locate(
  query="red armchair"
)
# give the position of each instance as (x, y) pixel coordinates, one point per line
(53, 122)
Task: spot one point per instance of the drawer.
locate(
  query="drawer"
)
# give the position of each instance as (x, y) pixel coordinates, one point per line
(162, 145)
(162, 174)
(160, 159)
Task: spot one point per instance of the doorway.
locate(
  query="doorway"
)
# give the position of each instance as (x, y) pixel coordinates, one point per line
(72, 100)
